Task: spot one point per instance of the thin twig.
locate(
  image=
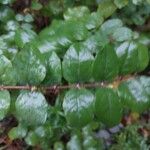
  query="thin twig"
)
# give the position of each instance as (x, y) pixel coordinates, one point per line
(54, 88)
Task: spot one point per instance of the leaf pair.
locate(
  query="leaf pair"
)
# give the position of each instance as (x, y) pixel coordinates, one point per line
(79, 65)
(80, 105)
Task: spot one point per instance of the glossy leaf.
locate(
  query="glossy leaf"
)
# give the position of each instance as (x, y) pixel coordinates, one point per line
(23, 37)
(109, 26)
(77, 64)
(129, 53)
(95, 42)
(122, 34)
(108, 107)
(4, 103)
(31, 108)
(78, 107)
(106, 64)
(135, 94)
(94, 21)
(54, 72)
(29, 67)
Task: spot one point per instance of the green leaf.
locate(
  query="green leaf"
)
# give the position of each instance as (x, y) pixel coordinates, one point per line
(54, 72)
(94, 21)
(76, 12)
(109, 26)
(4, 103)
(135, 93)
(6, 14)
(77, 64)
(18, 132)
(94, 42)
(28, 18)
(129, 53)
(78, 107)
(143, 57)
(32, 139)
(7, 74)
(106, 8)
(122, 34)
(23, 37)
(12, 25)
(59, 146)
(31, 108)
(29, 67)
(76, 29)
(106, 64)
(36, 5)
(108, 107)
(74, 143)
(121, 3)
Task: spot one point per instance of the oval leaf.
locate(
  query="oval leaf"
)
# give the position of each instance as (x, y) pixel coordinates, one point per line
(77, 64)
(31, 108)
(29, 67)
(78, 107)
(106, 64)
(108, 107)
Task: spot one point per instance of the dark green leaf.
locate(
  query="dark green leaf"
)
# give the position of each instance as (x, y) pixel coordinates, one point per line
(108, 107)
(106, 64)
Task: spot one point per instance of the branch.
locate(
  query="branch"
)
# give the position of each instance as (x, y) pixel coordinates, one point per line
(54, 88)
